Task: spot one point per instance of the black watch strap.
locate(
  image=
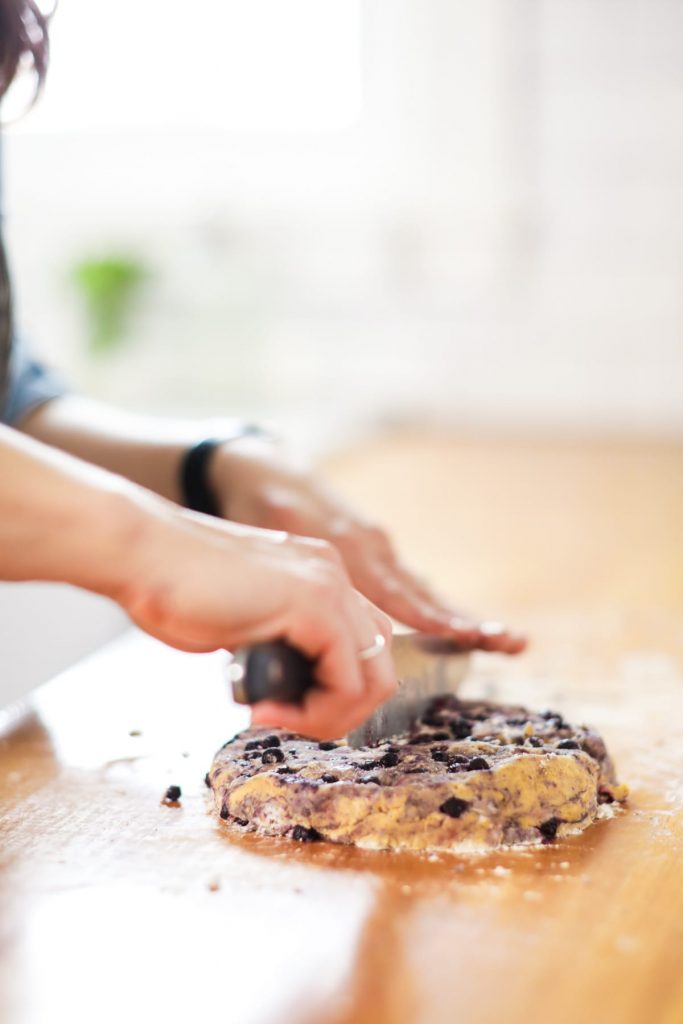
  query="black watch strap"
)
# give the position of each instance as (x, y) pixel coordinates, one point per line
(194, 478)
(195, 488)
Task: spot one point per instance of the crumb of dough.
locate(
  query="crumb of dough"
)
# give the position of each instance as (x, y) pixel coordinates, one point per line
(172, 796)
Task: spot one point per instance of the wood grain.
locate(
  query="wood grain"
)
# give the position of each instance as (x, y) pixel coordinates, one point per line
(115, 907)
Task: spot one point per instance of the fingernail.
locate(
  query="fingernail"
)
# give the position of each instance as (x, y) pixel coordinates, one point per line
(458, 623)
(491, 628)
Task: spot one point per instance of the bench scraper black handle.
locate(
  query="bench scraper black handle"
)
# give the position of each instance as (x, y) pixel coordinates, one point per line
(271, 671)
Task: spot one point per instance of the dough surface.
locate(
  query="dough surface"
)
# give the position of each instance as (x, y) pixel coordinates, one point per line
(470, 776)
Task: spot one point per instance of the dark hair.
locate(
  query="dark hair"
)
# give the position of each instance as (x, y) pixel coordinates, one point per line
(23, 35)
(23, 40)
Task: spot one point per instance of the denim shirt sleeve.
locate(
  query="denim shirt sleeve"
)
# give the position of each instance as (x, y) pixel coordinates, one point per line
(30, 384)
(26, 382)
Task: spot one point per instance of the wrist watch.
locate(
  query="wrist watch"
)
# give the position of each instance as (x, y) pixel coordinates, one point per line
(195, 488)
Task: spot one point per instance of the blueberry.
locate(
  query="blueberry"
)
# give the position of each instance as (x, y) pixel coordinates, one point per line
(434, 718)
(286, 771)
(224, 813)
(173, 793)
(555, 719)
(549, 828)
(568, 745)
(478, 764)
(461, 728)
(594, 746)
(457, 763)
(241, 821)
(327, 745)
(328, 777)
(253, 745)
(439, 755)
(535, 742)
(271, 741)
(388, 761)
(305, 835)
(272, 755)
(454, 807)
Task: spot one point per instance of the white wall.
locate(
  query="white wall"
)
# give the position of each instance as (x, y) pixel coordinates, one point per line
(496, 239)
(46, 627)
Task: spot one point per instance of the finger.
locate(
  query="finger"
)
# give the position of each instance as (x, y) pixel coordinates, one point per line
(327, 635)
(456, 619)
(426, 593)
(323, 717)
(406, 599)
(516, 643)
(387, 583)
(464, 628)
(378, 670)
(496, 637)
(317, 717)
(324, 713)
(331, 708)
(399, 598)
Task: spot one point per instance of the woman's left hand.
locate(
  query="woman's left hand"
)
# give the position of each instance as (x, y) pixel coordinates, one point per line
(254, 485)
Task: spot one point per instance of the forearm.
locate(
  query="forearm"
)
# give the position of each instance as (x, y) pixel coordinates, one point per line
(64, 520)
(144, 449)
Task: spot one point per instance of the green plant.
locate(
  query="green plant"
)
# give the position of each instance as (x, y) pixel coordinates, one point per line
(108, 286)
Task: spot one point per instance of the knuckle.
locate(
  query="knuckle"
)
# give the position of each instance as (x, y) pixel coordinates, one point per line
(325, 585)
(354, 541)
(154, 604)
(330, 553)
(305, 546)
(380, 540)
(317, 548)
(282, 517)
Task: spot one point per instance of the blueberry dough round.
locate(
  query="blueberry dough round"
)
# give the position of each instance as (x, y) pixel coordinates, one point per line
(471, 776)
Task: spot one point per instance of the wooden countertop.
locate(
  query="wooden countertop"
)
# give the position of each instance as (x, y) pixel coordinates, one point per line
(114, 907)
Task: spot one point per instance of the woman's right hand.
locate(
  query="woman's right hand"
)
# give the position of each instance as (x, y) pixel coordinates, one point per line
(200, 584)
(193, 581)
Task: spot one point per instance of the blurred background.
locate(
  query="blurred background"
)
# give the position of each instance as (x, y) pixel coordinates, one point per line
(352, 217)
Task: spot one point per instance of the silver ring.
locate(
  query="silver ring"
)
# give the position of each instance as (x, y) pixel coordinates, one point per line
(374, 649)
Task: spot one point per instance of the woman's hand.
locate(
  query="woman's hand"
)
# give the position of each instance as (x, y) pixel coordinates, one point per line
(255, 485)
(193, 581)
(200, 584)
